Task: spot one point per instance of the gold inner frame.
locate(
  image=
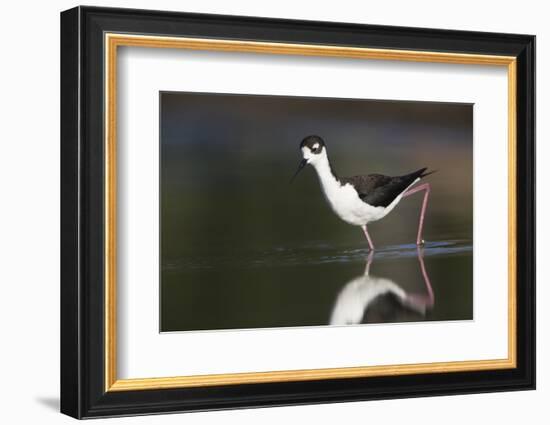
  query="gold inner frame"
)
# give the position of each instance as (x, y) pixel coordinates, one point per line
(113, 41)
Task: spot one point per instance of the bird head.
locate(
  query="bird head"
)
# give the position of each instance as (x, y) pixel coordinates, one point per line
(313, 148)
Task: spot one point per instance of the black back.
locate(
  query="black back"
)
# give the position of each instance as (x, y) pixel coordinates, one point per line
(379, 190)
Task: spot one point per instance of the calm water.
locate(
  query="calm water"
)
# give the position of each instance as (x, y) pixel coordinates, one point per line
(241, 248)
(318, 284)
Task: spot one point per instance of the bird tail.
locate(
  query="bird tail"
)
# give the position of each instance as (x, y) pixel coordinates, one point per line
(424, 173)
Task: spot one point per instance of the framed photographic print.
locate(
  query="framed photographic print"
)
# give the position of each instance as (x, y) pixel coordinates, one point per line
(261, 212)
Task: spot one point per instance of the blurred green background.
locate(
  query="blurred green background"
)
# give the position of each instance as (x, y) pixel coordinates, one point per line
(242, 248)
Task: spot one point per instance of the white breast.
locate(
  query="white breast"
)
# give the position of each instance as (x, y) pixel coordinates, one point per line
(344, 200)
(347, 205)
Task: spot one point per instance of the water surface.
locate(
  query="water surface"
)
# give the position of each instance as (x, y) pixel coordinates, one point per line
(317, 284)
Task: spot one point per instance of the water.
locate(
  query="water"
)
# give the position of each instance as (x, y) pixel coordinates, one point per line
(319, 284)
(241, 248)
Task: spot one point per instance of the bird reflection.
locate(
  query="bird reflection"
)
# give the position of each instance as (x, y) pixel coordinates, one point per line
(368, 298)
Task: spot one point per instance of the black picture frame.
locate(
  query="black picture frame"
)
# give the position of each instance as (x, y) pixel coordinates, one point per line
(83, 392)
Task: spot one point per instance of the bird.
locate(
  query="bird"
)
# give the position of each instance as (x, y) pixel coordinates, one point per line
(362, 199)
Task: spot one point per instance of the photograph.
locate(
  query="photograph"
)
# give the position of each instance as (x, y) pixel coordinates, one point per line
(289, 211)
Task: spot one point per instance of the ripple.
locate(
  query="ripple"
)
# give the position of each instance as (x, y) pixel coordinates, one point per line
(315, 253)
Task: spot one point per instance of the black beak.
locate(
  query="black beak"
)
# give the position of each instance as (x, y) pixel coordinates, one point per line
(302, 164)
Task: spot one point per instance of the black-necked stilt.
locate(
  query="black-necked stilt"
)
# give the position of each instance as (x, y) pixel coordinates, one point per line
(359, 294)
(360, 200)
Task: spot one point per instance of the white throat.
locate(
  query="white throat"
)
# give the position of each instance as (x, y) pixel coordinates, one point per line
(328, 181)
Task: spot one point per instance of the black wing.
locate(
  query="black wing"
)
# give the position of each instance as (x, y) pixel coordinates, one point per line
(379, 190)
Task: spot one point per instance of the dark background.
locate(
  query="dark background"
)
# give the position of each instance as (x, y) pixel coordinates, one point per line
(241, 248)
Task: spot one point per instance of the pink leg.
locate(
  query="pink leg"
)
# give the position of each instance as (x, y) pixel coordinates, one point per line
(426, 188)
(366, 232)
